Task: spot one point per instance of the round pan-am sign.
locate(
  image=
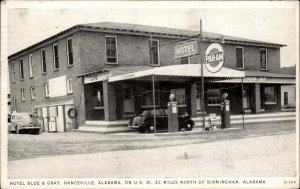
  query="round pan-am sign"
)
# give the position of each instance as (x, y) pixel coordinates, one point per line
(214, 57)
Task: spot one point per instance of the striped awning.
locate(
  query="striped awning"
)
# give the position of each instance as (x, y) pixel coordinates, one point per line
(182, 70)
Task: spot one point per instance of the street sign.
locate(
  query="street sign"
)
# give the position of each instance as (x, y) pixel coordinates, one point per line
(186, 49)
(214, 57)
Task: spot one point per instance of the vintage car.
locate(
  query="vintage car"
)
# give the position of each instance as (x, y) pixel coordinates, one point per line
(143, 121)
(23, 121)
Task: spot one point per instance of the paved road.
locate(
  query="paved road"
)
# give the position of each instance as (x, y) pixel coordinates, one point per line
(52, 144)
(256, 156)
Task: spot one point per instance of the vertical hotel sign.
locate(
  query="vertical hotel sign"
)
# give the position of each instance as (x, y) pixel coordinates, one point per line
(214, 57)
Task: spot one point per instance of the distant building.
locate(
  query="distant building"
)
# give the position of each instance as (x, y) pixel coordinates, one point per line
(102, 71)
(288, 92)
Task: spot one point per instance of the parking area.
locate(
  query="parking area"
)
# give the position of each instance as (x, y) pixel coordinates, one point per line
(26, 146)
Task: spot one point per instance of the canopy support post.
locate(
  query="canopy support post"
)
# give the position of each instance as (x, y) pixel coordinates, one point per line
(153, 86)
(243, 104)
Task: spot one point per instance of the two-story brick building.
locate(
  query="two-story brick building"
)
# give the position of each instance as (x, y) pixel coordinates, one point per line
(102, 71)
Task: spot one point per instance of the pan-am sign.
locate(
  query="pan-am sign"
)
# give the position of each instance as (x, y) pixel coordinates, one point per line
(214, 57)
(186, 49)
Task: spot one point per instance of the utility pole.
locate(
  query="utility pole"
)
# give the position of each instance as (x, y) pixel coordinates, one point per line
(153, 85)
(202, 76)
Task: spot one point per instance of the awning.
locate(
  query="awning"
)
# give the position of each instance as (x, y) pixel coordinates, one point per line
(56, 103)
(182, 70)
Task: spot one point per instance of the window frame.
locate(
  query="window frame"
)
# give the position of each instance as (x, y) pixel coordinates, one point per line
(117, 58)
(32, 92)
(42, 61)
(21, 72)
(157, 98)
(243, 57)
(23, 98)
(158, 53)
(68, 57)
(99, 89)
(285, 98)
(266, 50)
(54, 57)
(68, 85)
(14, 103)
(30, 65)
(275, 96)
(46, 90)
(175, 92)
(13, 72)
(212, 89)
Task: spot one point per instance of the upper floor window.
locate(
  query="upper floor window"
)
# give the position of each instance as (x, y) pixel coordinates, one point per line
(46, 90)
(22, 94)
(43, 59)
(240, 57)
(21, 69)
(32, 92)
(70, 52)
(185, 60)
(111, 49)
(55, 57)
(69, 86)
(263, 59)
(30, 65)
(13, 72)
(155, 52)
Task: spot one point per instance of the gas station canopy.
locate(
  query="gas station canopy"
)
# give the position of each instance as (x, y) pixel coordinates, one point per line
(182, 70)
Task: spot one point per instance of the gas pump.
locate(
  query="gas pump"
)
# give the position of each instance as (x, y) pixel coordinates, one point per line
(173, 114)
(225, 112)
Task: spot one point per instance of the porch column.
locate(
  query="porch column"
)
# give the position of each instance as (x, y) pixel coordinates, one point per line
(257, 98)
(109, 97)
(193, 100)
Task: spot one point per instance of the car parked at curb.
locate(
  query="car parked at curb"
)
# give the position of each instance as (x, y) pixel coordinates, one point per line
(143, 121)
(23, 121)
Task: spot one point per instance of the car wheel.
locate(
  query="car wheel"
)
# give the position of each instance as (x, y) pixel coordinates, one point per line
(188, 127)
(141, 130)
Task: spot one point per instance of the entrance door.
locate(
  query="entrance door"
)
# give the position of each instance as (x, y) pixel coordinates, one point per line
(246, 99)
(128, 98)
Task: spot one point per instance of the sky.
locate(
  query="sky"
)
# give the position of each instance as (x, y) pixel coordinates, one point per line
(271, 22)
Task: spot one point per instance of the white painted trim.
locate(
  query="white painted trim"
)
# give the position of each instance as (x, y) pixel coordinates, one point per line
(117, 58)
(68, 85)
(47, 92)
(31, 93)
(23, 94)
(30, 65)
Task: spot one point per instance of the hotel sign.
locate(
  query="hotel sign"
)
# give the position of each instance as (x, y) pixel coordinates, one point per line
(95, 78)
(186, 49)
(214, 57)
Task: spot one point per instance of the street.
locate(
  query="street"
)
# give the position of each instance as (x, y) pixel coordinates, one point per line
(251, 157)
(252, 152)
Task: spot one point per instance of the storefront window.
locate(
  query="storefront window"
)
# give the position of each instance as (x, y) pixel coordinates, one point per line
(185, 60)
(270, 95)
(147, 98)
(98, 100)
(213, 97)
(179, 95)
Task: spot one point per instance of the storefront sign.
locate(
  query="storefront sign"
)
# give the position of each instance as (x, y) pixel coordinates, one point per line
(187, 49)
(214, 57)
(95, 78)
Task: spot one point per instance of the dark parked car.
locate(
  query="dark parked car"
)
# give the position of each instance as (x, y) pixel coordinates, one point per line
(143, 121)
